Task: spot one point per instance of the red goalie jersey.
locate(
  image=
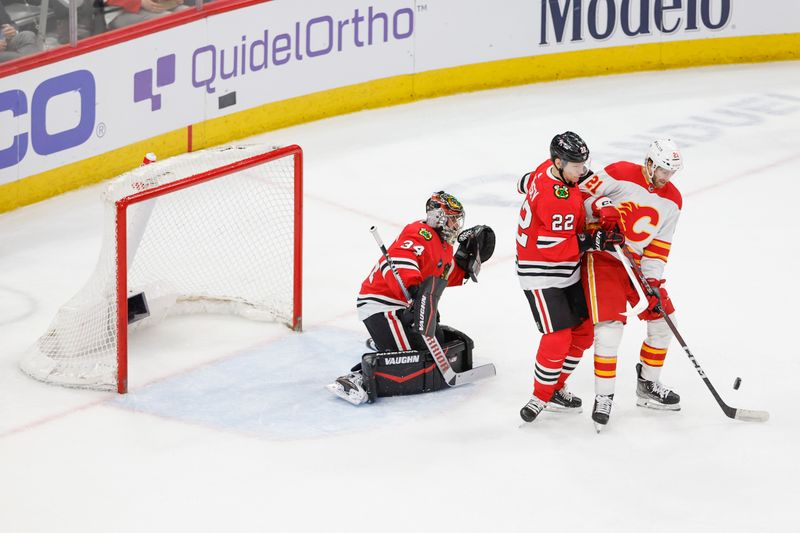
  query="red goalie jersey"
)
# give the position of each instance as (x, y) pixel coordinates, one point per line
(551, 216)
(417, 253)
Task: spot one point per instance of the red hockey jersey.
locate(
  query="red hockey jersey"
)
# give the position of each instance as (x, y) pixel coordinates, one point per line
(417, 253)
(550, 218)
(649, 215)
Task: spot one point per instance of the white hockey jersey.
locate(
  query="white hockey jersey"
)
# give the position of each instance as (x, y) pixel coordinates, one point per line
(649, 215)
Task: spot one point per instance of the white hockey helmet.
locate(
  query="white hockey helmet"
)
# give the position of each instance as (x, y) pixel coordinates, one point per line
(664, 153)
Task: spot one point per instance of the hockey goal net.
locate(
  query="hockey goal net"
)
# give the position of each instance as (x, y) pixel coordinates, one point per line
(215, 231)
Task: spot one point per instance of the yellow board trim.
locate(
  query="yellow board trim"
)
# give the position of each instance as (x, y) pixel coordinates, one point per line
(89, 171)
(403, 89)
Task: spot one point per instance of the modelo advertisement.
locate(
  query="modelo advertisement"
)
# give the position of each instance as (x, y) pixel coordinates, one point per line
(107, 99)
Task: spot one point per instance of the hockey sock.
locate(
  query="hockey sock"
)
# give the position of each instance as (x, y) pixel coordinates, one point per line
(605, 374)
(607, 338)
(550, 362)
(652, 361)
(582, 339)
(567, 368)
(654, 348)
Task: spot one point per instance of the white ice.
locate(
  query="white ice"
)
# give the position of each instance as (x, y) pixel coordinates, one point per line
(227, 426)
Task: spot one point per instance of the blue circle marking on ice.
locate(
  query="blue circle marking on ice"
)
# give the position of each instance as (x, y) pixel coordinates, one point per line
(277, 391)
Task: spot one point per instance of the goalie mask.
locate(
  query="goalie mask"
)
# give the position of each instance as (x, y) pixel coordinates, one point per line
(445, 214)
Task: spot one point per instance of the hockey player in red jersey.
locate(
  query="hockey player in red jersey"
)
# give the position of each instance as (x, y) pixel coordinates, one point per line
(642, 200)
(550, 241)
(422, 250)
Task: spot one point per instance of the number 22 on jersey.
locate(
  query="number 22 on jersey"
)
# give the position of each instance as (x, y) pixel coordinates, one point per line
(558, 223)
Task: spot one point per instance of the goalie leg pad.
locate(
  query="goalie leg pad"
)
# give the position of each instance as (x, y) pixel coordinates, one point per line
(399, 373)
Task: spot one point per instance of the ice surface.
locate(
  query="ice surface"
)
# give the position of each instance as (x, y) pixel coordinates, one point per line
(227, 426)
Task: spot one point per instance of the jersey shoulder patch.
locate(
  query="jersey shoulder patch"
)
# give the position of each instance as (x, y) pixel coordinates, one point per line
(561, 191)
(425, 233)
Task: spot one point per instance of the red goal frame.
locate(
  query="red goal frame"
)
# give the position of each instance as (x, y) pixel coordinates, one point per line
(121, 235)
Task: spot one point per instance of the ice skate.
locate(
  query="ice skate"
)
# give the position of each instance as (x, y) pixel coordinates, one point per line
(532, 409)
(564, 401)
(349, 388)
(601, 410)
(654, 395)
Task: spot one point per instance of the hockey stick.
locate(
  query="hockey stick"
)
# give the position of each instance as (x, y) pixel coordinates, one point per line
(747, 415)
(382, 246)
(642, 304)
(451, 377)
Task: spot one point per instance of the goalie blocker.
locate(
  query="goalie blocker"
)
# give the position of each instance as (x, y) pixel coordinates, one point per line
(412, 371)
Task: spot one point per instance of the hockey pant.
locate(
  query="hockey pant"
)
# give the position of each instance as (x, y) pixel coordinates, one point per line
(608, 290)
(561, 317)
(392, 331)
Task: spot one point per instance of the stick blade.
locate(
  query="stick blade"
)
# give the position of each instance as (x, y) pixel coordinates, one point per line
(479, 372)
(749, 415)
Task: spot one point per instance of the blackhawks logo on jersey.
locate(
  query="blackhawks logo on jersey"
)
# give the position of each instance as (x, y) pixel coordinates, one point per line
(561, 191)
(425, 234)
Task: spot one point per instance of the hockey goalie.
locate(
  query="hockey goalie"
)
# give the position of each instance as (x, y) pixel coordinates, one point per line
(398, 304)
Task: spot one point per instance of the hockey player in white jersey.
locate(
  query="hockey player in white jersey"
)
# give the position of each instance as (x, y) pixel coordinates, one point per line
(643, 202)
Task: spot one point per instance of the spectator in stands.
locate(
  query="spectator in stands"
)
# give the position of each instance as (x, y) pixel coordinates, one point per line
(134, 11)
(14, 43)
(90, 19)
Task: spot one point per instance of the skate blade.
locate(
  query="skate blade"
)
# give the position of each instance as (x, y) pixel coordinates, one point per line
(567, 410)
(598, 427)
(657, 406)
(339, 392)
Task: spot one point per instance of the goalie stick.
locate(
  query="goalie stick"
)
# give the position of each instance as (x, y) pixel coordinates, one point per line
(451, 377)
(748, 415)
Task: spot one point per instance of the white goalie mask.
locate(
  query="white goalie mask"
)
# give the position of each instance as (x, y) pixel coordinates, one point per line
(664, 153)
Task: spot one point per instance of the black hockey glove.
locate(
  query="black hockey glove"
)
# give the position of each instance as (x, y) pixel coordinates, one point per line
(600, 239)
(475, 247)
(413, 290)
(406, 316)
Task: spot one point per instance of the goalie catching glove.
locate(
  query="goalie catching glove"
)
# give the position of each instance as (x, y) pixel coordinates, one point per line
(475, 247)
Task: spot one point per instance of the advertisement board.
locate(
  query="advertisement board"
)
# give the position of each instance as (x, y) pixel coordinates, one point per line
(230, 61)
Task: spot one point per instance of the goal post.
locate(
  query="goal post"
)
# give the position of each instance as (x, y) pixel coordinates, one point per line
(214, 231)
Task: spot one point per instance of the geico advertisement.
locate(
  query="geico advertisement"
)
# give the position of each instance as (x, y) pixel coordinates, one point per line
(103, 100)
(91, 104)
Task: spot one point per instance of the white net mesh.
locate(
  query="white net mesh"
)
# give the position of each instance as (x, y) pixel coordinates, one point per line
(223, 246)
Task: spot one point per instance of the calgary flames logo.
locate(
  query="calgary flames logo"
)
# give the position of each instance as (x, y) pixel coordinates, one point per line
(638, 221)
